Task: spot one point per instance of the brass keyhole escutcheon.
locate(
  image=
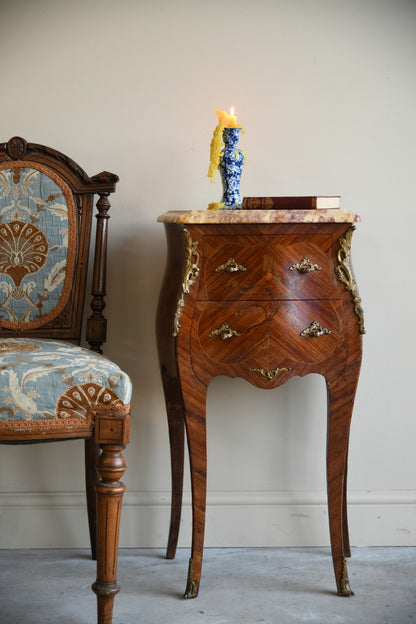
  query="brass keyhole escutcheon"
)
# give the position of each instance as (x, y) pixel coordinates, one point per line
(269, 374)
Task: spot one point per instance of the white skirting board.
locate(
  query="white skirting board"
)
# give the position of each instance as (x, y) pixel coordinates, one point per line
(234, 519)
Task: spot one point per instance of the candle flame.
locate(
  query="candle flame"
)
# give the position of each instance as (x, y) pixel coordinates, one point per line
(232, 112)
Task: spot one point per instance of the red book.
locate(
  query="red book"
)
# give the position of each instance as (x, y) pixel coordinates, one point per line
(314, 202)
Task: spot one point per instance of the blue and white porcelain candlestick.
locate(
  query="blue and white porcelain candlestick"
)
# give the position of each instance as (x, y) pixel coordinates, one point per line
(230, 167)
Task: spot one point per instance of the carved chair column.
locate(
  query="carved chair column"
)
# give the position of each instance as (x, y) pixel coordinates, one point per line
(97, 323)
(96, 336)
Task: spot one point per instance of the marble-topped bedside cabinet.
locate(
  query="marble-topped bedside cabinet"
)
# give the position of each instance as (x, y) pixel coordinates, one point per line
(263, 295)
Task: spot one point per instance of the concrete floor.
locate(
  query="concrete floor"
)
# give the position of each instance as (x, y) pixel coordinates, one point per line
(239, 586)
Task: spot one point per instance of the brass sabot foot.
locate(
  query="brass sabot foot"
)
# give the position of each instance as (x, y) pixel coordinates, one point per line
(192, 586)
(344, 584)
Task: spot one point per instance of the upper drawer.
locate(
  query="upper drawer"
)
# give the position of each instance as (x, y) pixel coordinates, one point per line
(266, 267)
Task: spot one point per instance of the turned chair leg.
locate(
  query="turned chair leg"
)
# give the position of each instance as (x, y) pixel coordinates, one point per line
(92, 452)
(111, 467)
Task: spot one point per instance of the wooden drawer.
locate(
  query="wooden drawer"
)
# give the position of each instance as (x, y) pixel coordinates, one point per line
(229, 333)
(263, 267)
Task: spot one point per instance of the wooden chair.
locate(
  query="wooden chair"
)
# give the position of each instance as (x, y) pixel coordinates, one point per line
(50, 387)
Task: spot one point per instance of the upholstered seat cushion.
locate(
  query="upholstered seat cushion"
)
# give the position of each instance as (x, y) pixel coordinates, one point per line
(55, 384)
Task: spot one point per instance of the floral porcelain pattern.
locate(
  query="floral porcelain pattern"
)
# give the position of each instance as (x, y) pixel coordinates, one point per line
(230, 167)
(53, 380)
(35, 246)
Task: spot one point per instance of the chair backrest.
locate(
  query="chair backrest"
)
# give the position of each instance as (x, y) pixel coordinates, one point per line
(46, 205)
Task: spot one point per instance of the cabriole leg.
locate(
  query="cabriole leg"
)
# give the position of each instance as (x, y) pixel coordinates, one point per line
(194, 400)
(341, 394)
(345, 532)
(175, 414)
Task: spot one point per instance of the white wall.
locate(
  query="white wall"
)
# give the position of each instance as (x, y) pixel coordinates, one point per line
(326, 91)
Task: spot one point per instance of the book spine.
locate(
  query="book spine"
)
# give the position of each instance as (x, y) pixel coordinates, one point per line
(314, 202)
(279, 203)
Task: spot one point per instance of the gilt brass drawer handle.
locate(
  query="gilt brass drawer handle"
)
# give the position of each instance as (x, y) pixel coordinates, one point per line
(315, 329)
(305, 266)
(230, 266)
(269, 374)
(224, 332)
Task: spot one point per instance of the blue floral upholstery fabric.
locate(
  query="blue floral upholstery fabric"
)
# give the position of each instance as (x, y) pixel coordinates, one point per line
(37, 245)
(56, 385)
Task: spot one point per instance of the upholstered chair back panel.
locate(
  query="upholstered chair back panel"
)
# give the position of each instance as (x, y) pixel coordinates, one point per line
(41, 238)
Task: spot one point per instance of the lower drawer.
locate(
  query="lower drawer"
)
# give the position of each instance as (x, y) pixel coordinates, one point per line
(303, 331)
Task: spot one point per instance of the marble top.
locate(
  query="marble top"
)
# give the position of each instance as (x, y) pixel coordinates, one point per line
(259, 216)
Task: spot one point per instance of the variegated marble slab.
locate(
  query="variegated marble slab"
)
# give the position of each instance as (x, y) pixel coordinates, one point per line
(258, 216)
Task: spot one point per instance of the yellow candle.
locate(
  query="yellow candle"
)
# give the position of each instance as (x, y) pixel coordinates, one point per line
(227, 120)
